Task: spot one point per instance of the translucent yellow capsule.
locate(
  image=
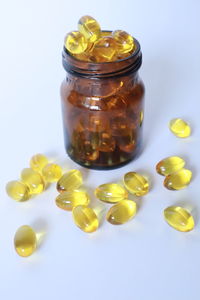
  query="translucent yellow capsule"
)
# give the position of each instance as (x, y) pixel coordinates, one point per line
(52, 172)
(179, 218)
(180, 128)
(70, 181)
(38, 161)
(136, 184)
(178, 180)
(75, 42)
(125, 42)
(85, 218)
(170, 165)
(111, 192)
(121, 212)
(17, 190)
(33, 179)
(25, 241)
(105, 49)
(85, 56)
(105, 33)
(90, 28)
(107, 142)
(69, 199)
(141, 117)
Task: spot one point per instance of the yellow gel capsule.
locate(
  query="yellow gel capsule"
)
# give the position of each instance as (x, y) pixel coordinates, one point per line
(136, 184)
(179, 218)
(69, 199)
(141, 117)
(111, 192)
(180, 128)
(52, 172)
(125, 42)
(17, 190)
(86, 56)
(105, 49)
(107, 142)
(75, 42)
(105, 33)
(90, 28)
(123, 55)
(170, 165)
(178, 180)
(85, 218)
(25, 241)
(34, 180)
(38, 161)
(121, 212)
(70, 181)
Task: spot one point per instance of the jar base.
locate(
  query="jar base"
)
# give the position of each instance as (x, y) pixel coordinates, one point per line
(103, 168)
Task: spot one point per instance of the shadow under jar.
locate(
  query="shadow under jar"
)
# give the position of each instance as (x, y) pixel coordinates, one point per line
(102, 107)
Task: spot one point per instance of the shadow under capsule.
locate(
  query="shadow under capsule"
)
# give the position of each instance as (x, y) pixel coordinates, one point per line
(41, 227)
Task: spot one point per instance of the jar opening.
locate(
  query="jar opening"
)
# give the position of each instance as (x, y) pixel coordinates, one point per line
(103, 69)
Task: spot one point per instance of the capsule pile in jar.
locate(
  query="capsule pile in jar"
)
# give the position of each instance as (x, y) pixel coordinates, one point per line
(109, 133)
(92, 44)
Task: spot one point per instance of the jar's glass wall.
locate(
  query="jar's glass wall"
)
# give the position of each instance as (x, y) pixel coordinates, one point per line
(102, 119)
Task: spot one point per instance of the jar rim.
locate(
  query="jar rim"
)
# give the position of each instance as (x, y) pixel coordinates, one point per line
(102, 69)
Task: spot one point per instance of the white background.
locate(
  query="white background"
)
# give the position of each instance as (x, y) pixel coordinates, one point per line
(145, 258)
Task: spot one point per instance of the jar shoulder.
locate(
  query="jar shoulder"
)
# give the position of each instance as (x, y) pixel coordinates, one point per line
(101, 94)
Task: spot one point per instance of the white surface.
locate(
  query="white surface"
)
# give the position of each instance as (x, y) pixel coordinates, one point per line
(145, 258)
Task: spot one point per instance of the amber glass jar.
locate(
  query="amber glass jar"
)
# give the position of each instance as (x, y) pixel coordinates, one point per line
(102, 106)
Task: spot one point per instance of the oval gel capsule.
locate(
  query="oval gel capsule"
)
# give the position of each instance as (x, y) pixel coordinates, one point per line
(34, 180)
(70, 181)
(125, 42)
(69, 199)
(18, 190)
(180, 128)
(178, 180)
(179, 218)
(75, 42)
(170, 165)
(25, 241)
(111, 192)
(90, 28)
(85, 218)
(38, 161)
(136, 184)
(121, 212)
(105, 49)
(52, 172)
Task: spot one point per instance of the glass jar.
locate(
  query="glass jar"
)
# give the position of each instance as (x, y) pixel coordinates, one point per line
(102, 107)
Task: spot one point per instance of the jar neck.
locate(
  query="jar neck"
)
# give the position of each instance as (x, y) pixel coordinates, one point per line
(115, 69)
